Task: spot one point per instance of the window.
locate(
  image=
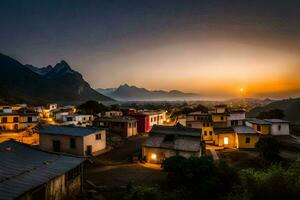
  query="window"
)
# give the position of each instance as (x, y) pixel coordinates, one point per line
(258, 128)
(205, 133)
(16, 119)
(72, 143)
(210, 132)
(29, 119)
(4, 120)
(98, 136)
(279, 127)
(226, 140)
(222, 118)
(247, 140)
(129, 125)
(69, 119)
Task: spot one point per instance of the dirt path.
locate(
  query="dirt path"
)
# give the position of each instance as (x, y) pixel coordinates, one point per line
(214, 154)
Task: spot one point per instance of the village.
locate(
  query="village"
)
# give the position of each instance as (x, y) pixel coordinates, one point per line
(59, 152)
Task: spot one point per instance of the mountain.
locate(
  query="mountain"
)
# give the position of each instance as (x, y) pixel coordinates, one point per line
(290, 108)
(26, 83)
(133, 93)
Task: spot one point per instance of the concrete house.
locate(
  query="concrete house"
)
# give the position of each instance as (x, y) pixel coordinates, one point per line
(113, 113)
(259, 125)
(166, 141)
(124, 126)
(236, 118)
(203, 121)
(72, 140)
(30, 174)
(78, 120)
(17, 119)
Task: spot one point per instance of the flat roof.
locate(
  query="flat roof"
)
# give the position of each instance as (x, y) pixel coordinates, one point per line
(23, 168)
(177, 129)
(68, 130)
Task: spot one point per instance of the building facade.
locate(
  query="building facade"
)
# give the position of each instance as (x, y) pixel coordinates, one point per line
(72, 140)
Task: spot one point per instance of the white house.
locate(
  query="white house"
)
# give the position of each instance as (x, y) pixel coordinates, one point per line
(73, 140)
(78, 120)
(113, 113)
(236, 118)
(279, 127)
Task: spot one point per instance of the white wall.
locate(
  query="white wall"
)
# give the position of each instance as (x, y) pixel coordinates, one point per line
(284, 130)
(97, 145)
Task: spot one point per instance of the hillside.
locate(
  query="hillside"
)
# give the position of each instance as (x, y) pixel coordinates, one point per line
(290, 107)
(26, 83)
(133, 93)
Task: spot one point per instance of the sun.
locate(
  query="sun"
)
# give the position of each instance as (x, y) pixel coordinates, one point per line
(242, 90)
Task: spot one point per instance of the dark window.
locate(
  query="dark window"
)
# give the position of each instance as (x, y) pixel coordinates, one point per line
(222, 118)
(89, 150)
(232, 123)
(29, 119)
(16, 119)
(69, 119)
(56, 145)
(247, 140)
(4, 120)
(129, 125)
(16, 126)
(258, 128)
(210, 132)
(205, 133)
(98, 136)
(73, 143)
(71, 175)
(279, 127)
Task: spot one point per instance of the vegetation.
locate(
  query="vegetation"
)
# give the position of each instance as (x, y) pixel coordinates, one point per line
(91, 107)
(185, 109)
(201, 178)
(268, 147)
(272, 114)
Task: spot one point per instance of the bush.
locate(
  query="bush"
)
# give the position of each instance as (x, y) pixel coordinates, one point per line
(268, 148)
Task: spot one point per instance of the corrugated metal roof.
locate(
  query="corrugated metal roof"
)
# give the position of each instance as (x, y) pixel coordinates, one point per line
(67, 130)
(178, 129)
(244, 130)
(276, 121)
(223, 130)
(23, 168)
(257, 121)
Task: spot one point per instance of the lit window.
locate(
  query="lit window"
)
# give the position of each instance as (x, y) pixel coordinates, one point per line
(153, 156)
(226, 140)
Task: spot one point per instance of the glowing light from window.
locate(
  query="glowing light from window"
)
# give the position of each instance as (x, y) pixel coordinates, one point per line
(153, 156)
(226, 140)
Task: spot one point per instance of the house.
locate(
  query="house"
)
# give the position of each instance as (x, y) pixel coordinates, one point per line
(224, 137)
(166, 141)
(269, 126)
(29, 174)
(219, 116)
(236, 117)
(245, 137)
(146, 119)
(78, 120)
(113, 113)
(122, 125)
(73, 140)
(203, 121)
(17, 119)
(259, 125)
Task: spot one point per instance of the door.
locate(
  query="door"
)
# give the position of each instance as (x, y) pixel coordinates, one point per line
(56, 145)
(89, 150)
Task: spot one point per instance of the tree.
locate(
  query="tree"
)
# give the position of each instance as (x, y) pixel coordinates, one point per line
(272, 114)
(268, 147)
(91, 107)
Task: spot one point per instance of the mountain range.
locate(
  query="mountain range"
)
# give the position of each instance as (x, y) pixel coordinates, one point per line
(30, 84)
(133, 93)
(290, 108)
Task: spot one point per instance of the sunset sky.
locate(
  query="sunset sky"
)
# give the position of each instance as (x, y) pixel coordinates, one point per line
(215, 48)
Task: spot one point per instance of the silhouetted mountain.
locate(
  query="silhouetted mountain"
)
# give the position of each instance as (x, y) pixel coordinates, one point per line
(290, 108)
(133, 93)
(26, 83)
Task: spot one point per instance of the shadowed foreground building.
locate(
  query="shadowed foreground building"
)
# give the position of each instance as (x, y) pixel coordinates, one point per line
(30, 174)
(167, 141)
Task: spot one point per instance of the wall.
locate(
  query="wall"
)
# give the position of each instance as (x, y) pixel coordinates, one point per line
(46, 143)
(241, 140)
(56, 189)
(97, 145)
(285, 130)
(217, 118)
(208, 130)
